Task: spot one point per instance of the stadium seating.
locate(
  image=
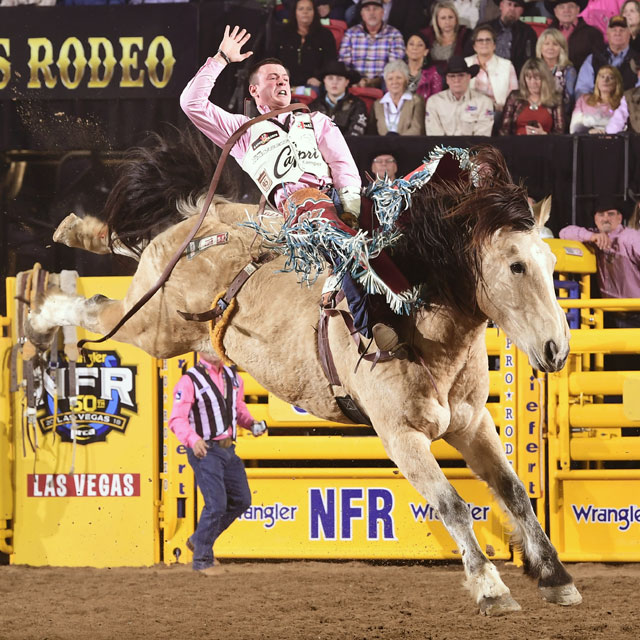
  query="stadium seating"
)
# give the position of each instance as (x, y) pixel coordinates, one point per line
(368, 94)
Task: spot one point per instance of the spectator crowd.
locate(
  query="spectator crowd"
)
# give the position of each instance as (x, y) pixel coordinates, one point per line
(465, 67)
(457, 67)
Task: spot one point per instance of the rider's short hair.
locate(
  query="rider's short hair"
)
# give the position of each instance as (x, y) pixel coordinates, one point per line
(253, 72)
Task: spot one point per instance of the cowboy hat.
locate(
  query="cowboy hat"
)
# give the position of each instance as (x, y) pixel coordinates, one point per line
(550, 5)
(337, 68)
(457, 64)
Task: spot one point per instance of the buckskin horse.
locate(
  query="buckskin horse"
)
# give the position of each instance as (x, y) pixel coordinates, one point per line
(476, 253)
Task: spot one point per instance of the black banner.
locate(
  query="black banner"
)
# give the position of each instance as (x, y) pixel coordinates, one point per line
(102, 52)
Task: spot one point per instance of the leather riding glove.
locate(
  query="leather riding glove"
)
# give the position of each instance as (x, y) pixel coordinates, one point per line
(350, 200)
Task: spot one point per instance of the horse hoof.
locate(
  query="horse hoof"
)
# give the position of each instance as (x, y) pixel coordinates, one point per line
(61, 234)
(566, 595)
(498, 606)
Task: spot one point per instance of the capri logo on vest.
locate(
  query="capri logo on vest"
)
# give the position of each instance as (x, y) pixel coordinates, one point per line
(284, 162)
(103, 391)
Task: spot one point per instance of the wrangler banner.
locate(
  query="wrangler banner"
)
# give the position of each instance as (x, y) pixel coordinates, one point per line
(376, 517)
(97, 52)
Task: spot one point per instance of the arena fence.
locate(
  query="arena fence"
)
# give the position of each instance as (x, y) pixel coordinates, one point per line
(326, 490)
(87, 495)
(594, 444)
(115, 488)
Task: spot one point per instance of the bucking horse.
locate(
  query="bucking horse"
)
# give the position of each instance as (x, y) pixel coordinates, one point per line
(471, 247)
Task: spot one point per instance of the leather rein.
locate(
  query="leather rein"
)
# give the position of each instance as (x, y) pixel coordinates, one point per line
(212, 190)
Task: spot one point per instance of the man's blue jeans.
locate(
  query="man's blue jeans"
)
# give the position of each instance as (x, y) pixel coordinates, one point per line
(221, 478)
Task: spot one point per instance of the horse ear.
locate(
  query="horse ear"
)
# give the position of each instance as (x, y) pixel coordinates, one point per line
(542, 211)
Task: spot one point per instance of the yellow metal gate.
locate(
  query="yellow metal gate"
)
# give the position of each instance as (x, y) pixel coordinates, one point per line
(84, 482)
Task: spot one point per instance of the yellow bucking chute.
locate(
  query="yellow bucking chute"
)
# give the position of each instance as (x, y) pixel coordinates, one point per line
(81, 483)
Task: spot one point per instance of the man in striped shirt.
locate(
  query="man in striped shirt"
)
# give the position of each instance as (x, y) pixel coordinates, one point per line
(208, 403)
(367, 47)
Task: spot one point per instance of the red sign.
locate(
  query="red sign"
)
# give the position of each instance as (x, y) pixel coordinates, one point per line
(83, 485)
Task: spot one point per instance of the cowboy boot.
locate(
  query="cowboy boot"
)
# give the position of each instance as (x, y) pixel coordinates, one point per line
(386, 339)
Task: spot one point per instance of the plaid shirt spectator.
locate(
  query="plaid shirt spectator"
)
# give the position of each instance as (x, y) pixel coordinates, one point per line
(368, 54)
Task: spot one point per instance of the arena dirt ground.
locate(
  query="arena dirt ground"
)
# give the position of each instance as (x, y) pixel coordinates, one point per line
(304, 600)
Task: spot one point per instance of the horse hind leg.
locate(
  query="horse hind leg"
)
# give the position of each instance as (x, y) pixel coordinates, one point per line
(409, 449)
(58, 309)
(91, 234)
(87, 233)
(484, 453)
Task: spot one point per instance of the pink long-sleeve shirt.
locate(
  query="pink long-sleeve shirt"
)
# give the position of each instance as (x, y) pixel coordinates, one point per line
(619, 266)
(618, 120)
(184, 396)
(218, 125)
(598, 12)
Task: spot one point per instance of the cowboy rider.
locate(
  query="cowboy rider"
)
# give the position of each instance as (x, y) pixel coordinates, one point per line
(324, 166)
(324, 159)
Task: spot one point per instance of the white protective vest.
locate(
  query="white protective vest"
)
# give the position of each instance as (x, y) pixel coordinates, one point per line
(277, 156)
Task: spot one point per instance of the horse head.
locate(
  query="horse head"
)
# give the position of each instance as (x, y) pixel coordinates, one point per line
(515, 290)
(472, 243)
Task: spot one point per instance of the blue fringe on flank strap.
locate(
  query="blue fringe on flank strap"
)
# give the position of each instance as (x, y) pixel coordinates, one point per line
(307, 243)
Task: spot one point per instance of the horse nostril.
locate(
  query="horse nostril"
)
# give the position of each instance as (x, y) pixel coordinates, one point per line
(550, 350)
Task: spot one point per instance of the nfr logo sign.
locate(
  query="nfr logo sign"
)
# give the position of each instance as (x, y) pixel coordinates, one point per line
(330, 520)
(103, 390)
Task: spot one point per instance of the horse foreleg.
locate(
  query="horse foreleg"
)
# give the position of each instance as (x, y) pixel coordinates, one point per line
(58, 309)
(410, 450)
(484, 453)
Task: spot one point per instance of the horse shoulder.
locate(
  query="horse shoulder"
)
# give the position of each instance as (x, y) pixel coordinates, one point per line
(470, 388)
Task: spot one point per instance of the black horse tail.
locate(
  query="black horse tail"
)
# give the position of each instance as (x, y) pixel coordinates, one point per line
(154, 179)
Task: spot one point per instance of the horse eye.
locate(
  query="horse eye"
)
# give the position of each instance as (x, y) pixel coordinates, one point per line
(517, 267)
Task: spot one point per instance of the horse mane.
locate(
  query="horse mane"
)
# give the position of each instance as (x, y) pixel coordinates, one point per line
(448, 223)
(158, 182)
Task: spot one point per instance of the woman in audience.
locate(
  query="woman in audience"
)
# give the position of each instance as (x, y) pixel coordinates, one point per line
(594, 110)
(631, 11)
(398, 111)
(497, 76)
(446, 36)
(424, 78)
(552, 48)
(536, 107)
(304, 45)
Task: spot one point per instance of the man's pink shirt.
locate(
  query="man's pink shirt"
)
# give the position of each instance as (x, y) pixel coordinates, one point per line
(619, 266)
(179, 420)
(218, 125)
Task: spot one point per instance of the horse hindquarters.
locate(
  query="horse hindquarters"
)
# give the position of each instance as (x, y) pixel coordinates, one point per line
(409, 449)
(483, 452)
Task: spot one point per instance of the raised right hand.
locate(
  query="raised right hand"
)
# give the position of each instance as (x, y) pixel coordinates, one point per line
(601, 240)
(233, 41)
